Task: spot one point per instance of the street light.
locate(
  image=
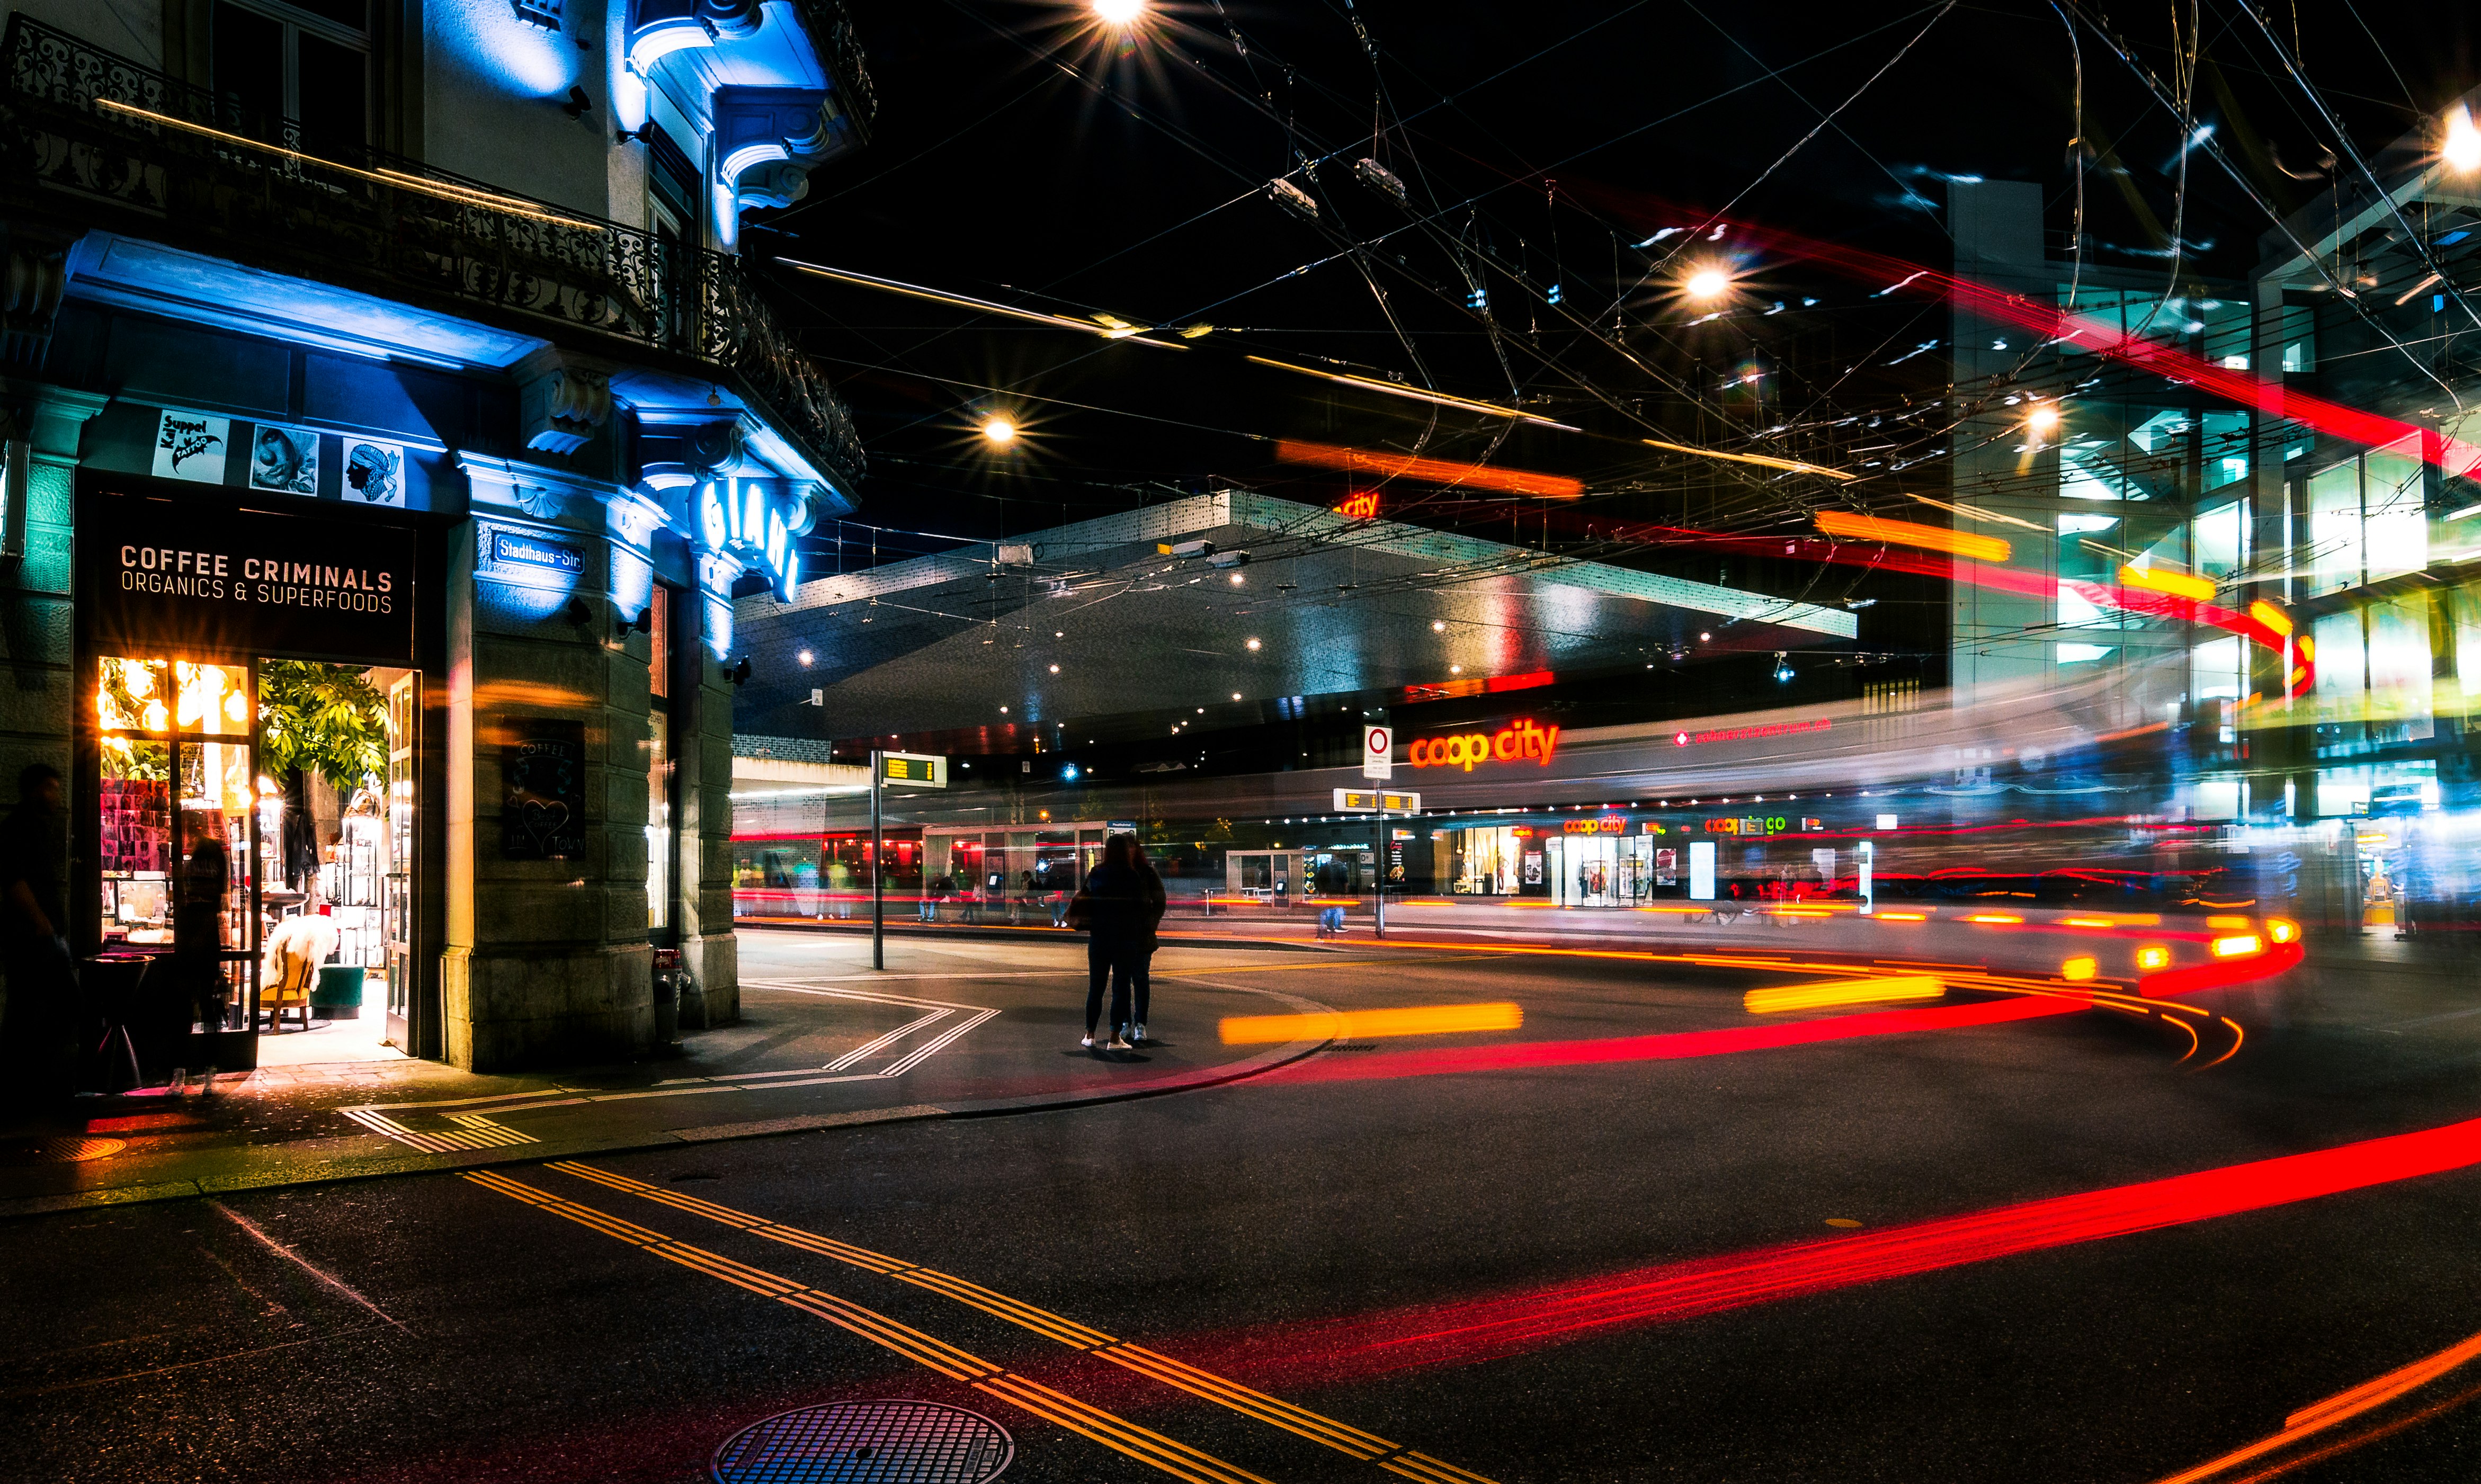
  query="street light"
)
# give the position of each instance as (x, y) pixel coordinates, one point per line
(1118, 12)
(1707, 283)
(2041, 422)
(999, 431)
(2463, 151)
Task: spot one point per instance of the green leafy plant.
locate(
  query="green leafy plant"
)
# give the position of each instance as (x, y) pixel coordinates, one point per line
(324, 718)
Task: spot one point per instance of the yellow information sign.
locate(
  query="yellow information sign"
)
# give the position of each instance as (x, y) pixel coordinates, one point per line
(913, 768)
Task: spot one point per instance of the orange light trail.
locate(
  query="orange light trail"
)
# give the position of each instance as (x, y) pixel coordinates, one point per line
(1790, 465)
(1430, 471)
(1367, 1025)
(1780, 997)
(2342, 1407)
(1904, 532)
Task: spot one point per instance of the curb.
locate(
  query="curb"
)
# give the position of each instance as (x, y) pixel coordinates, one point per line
(384, 1166)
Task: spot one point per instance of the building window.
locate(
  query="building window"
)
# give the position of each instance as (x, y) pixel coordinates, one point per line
(308, 62)
(659, 849)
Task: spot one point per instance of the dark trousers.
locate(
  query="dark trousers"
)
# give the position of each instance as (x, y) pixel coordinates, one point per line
(1118, 962)
(1143, 971)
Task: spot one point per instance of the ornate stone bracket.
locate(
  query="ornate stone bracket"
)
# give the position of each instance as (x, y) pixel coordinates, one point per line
(768, 139)
(563, 400)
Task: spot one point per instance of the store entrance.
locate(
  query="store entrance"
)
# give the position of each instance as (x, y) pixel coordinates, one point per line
(255, 852)
(252, 771)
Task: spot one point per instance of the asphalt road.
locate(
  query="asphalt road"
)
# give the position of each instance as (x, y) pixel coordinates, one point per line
(1484, 1250)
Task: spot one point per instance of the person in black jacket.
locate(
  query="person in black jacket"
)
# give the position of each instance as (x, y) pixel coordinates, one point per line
(1118, 928)
(1141, 964)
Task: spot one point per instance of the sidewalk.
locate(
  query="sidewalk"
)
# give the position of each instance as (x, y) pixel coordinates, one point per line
(950, 1030)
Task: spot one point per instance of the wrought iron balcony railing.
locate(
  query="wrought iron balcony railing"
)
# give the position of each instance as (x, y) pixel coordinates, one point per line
(96, 140)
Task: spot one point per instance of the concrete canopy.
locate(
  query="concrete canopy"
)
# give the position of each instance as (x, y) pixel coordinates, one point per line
(940, 644)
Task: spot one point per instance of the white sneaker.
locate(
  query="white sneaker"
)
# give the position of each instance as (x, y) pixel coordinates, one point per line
(1139, 1033)
(1087, 1043)
(1119, 1045)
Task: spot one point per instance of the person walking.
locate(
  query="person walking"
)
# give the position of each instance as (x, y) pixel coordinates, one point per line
(1112, 911)
(1142, 959)
(37, 1025)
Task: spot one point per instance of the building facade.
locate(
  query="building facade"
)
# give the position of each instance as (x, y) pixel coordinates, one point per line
(389, 420)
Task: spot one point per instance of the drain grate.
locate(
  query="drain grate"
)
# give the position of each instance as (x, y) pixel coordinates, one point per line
(67, 1149)
(867, 1443)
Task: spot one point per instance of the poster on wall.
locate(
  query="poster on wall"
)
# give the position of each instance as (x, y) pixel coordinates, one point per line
(374, 473)
(1666, 868)
(1534, 867)
(285, 460)
(204, 577)
(191, 446)
(542, 807)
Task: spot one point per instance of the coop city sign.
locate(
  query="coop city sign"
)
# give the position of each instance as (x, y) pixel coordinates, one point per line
(1519, 741)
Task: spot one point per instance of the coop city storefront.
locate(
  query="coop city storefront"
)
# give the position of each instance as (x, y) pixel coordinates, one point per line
(251, 774)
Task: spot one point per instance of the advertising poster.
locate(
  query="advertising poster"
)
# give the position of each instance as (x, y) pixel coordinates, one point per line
(1666, 868)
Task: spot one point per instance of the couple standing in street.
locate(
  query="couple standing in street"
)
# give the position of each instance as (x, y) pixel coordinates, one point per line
(1120, 907)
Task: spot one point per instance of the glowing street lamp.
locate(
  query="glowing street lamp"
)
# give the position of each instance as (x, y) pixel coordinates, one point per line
(1118, 12)
(1707, 283)
(2041, 422)
(998, 431)
(2462, 150)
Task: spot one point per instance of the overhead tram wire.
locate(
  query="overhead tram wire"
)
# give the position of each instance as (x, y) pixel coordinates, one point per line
(1182, 136)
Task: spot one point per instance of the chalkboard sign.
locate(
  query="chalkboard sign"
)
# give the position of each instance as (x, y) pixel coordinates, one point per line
(542, 813)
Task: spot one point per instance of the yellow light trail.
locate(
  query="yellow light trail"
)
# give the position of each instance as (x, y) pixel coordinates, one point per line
(1365, 1024)
(1903, 533)
(462, 195)
(1840, 992)
(2176, 584)
(1793, 465)
(1414, 393)
(1122, 331)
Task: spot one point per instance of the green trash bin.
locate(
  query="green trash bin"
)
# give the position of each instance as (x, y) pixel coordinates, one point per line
(338, 994)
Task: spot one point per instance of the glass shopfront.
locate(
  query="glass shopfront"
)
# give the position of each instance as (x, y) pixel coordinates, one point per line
(249, 767)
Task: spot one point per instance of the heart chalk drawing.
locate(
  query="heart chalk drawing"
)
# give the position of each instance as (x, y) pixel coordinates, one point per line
(542, 822)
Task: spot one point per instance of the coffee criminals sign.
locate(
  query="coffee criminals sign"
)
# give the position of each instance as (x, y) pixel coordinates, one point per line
(161, 573)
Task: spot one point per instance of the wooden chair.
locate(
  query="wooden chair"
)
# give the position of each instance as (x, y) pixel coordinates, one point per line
(284, 984)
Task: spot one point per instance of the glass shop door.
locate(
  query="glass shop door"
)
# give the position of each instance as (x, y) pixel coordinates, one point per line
(403, 710)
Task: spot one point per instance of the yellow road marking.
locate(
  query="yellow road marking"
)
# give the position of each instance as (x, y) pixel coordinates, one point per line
(1355, 1024)
(1116, 1433)
(1206, 1386)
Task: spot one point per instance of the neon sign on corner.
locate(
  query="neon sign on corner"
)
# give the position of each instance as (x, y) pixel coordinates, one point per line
(743, 517)
(1516, 742)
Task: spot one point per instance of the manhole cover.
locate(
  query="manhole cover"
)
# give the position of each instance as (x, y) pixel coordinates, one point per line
(66, 1149)
(867, 1443)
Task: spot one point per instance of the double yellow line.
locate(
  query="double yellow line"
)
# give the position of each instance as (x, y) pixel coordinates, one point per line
(1112, 1432)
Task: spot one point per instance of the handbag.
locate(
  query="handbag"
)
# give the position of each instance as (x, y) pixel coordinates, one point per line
(1081, 912)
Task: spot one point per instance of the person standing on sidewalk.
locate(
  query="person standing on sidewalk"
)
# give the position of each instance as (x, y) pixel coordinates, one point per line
(1141, 963)
(38, 1023)
(1112, 911)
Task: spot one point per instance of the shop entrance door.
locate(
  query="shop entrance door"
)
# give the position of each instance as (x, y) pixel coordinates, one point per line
(403, 708)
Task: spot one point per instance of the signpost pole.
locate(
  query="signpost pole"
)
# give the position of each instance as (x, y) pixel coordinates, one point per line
(1380, 932)
(878, 868)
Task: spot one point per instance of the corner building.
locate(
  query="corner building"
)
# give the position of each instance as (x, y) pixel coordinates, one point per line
(389, 422)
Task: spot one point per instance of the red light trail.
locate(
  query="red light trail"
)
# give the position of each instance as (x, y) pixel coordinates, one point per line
(1518, 1323)
(1673, 1046)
